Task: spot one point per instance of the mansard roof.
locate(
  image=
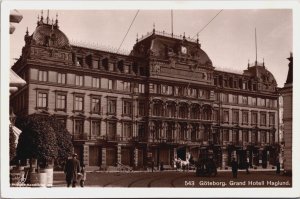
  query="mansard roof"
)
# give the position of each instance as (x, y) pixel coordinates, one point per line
(163, 45)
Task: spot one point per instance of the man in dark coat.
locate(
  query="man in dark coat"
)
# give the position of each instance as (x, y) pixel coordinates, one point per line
(72, 168)
(234, 167)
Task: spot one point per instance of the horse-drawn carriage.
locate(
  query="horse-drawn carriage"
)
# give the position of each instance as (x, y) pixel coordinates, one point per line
(206, 167)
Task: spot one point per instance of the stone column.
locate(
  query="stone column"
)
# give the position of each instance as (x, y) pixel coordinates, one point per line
(136, 157)
(85, 158)
(119, 154)
(103, 156)
(224, 158)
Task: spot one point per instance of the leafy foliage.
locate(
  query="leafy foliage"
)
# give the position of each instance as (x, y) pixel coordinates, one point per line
(43, 137)
(12, 146)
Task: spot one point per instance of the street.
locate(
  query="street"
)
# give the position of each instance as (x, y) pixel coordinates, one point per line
(180, 179)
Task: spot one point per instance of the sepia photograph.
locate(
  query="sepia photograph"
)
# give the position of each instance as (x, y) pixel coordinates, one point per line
(191, 97)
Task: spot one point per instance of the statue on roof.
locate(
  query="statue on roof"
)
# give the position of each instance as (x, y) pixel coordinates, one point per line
(289, 79)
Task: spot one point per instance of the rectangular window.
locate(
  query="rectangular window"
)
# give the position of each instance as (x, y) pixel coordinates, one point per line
(216, 115)
(141, 88)
(235, 99)
(95, 128)
(254, 101)
(226, 135)
(253, 136)
(170, 90)
(245, 117)
(127, 86)
(216, 96)
(95, 64)
(192, 92)
(254, 118)
(141, 131)
(78, 103)
(263, 117)
(226, 116)
(61, 102)
(263, 102)
(245, 136)
(111, 106)
(111, 130)
(95, 105)
(235, 116)
(127, 133)
(43, 76)
(245, 100)
(61, 78)
(110, 84)
(225, 97)
(272, 119)
(127, 109)
(95, 82)
(42, 101)
(78, 80)
(154, 88)
(235, 136)
(263, 136)
(78, 127)
(104, 83)
(244, 85)
(235, 84)
(141, 109)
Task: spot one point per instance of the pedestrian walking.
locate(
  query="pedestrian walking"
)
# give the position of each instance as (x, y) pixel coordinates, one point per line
(247, 166)
(83, 176)
(72, 168)
(152, 165)
(277, 167)
(161, 166)
(234, 167)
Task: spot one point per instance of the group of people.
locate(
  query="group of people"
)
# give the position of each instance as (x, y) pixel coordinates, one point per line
(74, 173)
(234, 167)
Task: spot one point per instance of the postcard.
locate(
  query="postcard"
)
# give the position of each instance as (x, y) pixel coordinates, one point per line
(143, 99)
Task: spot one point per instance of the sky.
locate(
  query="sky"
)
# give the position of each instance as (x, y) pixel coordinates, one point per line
(229, 40)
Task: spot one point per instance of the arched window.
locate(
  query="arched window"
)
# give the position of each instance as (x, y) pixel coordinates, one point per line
(158, 109)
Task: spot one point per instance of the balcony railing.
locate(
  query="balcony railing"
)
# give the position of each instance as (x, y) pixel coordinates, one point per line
(80, 136)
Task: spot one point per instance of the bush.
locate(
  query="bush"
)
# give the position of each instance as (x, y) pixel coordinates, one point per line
(43, 137)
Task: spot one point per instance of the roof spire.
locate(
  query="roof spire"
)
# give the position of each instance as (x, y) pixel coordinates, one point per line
(27, 33)
(47, 19)
(263, 62)
(197, 38)
(42, 16)
(56, 20)
(248, 63)
(137, 37)
(154, 27)
(52, 24)
(255, 48)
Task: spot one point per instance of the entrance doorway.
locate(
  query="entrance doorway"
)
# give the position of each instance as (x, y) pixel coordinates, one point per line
(181, 153)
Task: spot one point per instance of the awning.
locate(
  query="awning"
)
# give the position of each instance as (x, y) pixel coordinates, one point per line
(15, 16)
(17, 133)
(15, 80)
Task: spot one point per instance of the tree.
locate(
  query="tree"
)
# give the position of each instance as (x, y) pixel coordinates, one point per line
(43, 137)
(64, 140)
(12, 144)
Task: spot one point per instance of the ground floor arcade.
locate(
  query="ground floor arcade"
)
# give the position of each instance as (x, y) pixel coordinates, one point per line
(140, 156)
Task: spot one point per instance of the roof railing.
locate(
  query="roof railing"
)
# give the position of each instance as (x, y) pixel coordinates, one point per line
(96, 46)
(166, 34)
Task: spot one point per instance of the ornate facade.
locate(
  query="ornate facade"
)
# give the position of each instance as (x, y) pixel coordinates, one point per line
(163, 100)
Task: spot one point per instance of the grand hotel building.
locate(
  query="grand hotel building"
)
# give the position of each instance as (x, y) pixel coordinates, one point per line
(163, 100)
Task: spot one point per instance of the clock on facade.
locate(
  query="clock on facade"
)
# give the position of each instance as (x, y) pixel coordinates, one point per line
(183, 50)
